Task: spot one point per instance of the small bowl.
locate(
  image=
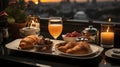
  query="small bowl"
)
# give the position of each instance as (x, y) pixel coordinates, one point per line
(69, 39)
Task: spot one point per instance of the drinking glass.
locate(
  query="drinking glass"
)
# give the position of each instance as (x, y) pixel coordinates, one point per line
(55, 26)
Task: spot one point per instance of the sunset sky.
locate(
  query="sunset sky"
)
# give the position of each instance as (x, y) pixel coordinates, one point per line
(60, 0)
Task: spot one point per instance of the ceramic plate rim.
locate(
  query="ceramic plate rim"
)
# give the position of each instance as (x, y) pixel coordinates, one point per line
(108, 53)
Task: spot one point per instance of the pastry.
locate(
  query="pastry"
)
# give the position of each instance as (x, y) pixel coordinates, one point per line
(81, 47)
(29, 42)
(39, 43)
(66, 46)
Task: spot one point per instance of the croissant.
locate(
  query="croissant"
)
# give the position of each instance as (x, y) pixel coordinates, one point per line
(29, 42)
(80, 48)
(66, 46)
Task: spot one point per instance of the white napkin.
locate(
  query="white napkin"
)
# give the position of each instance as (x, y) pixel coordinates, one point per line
(116, 53)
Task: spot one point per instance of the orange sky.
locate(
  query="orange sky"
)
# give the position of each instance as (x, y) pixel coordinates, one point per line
(44, 0)
(51, 0)
(60, 0)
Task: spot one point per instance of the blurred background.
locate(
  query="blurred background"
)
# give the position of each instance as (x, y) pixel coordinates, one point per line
(99, 10)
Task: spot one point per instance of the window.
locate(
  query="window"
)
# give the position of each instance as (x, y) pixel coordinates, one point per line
(99, 10)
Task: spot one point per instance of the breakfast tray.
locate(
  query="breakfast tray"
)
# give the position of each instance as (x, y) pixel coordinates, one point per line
(15, 44)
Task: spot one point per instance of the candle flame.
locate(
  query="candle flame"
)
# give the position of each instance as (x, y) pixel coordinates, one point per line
(33, 24)
(108, 28)
(33, 21)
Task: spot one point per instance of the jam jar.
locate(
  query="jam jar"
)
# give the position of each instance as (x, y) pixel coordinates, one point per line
(91, 33)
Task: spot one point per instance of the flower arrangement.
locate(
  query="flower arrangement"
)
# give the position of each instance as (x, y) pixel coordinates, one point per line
(14, 18)
(15, 14)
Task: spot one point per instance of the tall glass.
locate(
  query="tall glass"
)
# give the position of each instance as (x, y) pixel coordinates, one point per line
(55, 26)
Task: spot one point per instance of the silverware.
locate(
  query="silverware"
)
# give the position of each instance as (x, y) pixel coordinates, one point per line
(82, 39)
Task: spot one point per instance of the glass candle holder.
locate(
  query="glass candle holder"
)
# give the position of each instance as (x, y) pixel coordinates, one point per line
(33, 25)
(34, 22)
(107, 35)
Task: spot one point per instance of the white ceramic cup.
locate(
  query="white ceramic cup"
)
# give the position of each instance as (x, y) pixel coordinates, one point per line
(29, 31)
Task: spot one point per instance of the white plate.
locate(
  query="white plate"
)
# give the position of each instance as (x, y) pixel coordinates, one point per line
(111, 54)
(94, 50)
(15, 44)
(100, 50)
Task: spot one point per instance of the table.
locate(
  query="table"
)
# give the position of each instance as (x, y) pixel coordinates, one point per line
(29, 59)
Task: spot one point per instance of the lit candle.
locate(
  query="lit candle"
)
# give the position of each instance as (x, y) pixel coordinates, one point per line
(107, 38)
(34, 24)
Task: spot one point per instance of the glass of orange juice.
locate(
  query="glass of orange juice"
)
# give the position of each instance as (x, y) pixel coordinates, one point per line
(55, 26)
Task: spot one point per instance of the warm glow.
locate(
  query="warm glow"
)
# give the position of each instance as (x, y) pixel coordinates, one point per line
(33, 24)
(107, 38)
(61, 0)
(53, 0)
(50, 0)
(108, 29)
(109, 20)
(36, 2)
(43, 0)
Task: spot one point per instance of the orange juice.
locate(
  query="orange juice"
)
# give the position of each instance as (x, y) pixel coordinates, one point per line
(55, 29)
